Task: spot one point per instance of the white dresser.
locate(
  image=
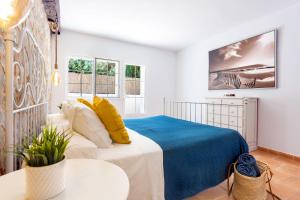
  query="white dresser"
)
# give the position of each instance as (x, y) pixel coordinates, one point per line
(238, 113)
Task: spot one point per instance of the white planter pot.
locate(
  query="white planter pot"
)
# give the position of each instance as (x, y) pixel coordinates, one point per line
(45, 182)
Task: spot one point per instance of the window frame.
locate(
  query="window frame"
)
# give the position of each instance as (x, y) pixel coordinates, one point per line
(74, 95)
(90, 96)
(142, 89)
(118, 77)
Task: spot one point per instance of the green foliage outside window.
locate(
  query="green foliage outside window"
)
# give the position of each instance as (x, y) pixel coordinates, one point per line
(80, 66)
(133, 71)
(86, 66)
(105, 68)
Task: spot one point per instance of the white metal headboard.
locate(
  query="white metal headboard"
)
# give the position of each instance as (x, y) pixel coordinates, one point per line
(29, 88)
(24, 65)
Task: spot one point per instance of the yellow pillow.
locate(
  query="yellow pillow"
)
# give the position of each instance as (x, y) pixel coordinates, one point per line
(85, 102)
(97, 100)
(111, 119)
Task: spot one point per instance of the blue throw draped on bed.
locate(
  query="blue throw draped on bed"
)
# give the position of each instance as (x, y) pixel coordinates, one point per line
(195, 156)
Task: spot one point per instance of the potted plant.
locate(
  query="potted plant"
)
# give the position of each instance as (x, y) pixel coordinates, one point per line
(44, 162)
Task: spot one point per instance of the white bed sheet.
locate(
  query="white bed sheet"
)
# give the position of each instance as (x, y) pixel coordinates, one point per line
(142, 160)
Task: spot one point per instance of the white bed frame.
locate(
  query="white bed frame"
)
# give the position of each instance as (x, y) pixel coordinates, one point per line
(198, 112)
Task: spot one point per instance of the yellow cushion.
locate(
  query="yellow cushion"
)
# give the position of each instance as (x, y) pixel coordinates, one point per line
(112, 120)
(97, 100)
(85, 102)
(110, 117)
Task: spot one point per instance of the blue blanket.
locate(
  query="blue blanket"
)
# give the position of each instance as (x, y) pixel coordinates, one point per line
(195, 156)
(247, 166)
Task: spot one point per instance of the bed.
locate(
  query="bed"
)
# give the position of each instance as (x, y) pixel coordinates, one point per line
(195, 156)
(168, 158)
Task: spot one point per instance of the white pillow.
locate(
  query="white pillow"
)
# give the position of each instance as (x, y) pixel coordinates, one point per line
(87, 123)
(68, 109)
(80, 147)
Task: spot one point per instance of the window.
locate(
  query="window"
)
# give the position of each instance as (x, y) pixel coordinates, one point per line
(88, 77)
(134, 89)
(107, 78)
(80, 77)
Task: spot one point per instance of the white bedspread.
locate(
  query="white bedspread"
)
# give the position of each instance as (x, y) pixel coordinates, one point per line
(142, 161)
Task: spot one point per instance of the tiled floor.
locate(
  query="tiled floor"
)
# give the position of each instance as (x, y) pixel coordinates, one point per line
(285, 182)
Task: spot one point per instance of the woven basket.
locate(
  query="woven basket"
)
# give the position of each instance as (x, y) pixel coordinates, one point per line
(251, 188)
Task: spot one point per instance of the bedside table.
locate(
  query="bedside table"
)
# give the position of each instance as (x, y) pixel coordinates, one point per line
(85, 179)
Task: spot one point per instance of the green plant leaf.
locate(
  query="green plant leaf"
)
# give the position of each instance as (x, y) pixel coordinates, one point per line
(46, 149)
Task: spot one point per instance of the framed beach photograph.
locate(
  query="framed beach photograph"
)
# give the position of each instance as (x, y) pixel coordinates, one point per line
(250, 63)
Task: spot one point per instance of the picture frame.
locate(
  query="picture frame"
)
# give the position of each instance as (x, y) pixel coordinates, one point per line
(246, 64)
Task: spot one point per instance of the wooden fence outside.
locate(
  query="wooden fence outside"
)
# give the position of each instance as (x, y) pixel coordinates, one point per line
(82, 83)
(132, 86)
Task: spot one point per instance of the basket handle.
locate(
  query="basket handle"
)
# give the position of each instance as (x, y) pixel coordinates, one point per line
(269, 178)
(229, 188)
(269, 174)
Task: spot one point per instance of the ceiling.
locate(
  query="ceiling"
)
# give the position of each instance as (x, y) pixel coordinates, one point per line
(167, 24)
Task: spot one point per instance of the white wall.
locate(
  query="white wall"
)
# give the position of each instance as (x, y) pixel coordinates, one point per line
(279, 109)
(159, 66)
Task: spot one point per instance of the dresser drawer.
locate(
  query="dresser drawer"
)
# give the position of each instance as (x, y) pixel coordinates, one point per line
(225, 119)
(231, 110)
(235, 121)
(235, 111)
(232, 101)
(214, 109)
(214, 118)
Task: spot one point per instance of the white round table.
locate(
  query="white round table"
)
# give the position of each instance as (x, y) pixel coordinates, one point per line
(85, 179)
